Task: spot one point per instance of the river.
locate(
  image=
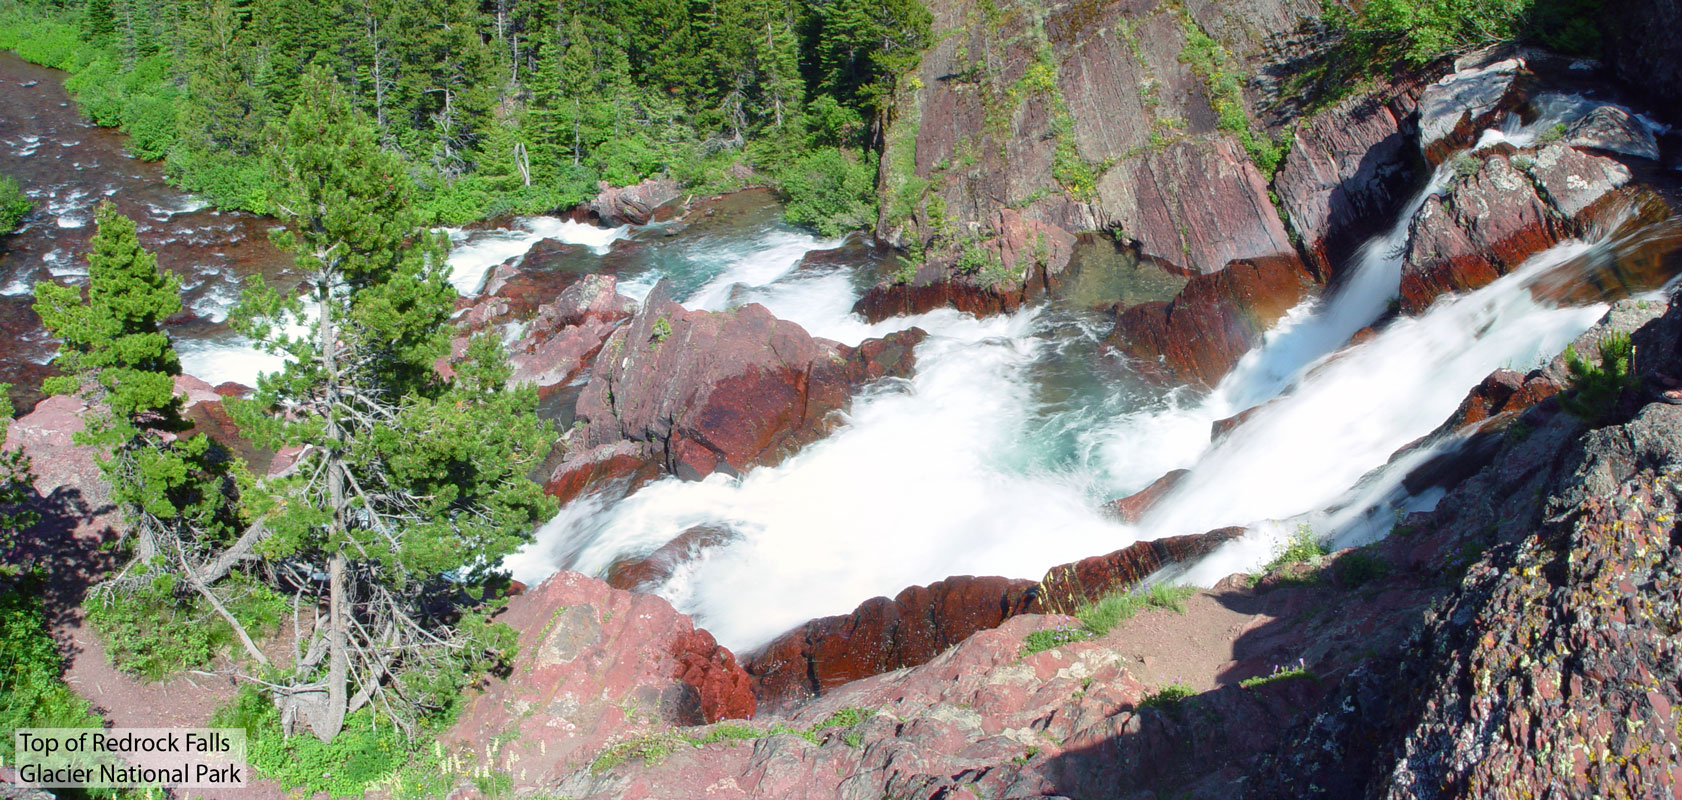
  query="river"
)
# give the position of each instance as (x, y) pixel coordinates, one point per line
(998, 456)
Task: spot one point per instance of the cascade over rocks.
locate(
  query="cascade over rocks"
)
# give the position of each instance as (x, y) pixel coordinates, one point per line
(1348, 173)
(595, 663)
(697, 392)
(1212, 322)
(1561, 632)
(920, 622)
(1456, 109)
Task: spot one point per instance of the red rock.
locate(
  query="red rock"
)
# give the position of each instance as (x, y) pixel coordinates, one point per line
(1066, 588)
(232, 389)
(1502, 392)
(921, 622)
(567, 332)
(697, 392)
(1489, 224)
(1133, 507)
(597, 466)
(595, 665)
(933, 288)
(1348, 173)
(1221, 428)
(1212, 322)
(657, 566)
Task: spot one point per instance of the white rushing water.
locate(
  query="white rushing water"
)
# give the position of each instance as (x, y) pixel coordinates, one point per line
(978, 465)
(475, 252)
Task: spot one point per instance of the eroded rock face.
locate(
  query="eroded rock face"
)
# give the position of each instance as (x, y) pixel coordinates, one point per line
(1215, 319)
(1349, 172)
(1116, 133)
(595, 663)
(696, 392)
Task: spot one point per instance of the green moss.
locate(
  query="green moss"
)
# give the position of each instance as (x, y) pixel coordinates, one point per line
(1223, 84)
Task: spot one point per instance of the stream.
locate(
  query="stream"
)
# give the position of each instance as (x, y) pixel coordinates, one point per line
(999, 456)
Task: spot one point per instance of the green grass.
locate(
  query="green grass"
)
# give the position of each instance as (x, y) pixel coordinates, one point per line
(1278, 675)
(1223, 84)
(1167, 698)
(1097, 619)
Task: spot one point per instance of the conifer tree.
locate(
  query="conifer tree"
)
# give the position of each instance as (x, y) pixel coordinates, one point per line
(171, 489)
(410, 488)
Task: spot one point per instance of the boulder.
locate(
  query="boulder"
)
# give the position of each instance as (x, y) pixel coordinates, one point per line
(566, 333)
(656, 567)
(1613, 130)
(595, 664)
(1455, 110)
(1511, 208)
(697, 392)
(1348, 174)
(652, 200)
(1212, 322)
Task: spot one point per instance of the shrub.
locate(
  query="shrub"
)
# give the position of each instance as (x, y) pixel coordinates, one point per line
(14, 205)
(1359, 567)
(363, 753)
(831, 190)
(1596, 389)
(163, 628)
(31, 671)
(1301, 548)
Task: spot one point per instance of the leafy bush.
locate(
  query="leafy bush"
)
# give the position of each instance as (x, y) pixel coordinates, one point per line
(1596, 388)
(163, 628)
(360, 755)
(31, 672)
(14, 205)
(1359, 567)
(831, 190)
(1301, 548)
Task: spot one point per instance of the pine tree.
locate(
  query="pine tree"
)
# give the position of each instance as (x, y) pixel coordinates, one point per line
(171, 489)
(410, 489)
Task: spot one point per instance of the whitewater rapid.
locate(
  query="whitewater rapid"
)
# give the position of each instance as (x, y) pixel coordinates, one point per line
(1000, 454)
